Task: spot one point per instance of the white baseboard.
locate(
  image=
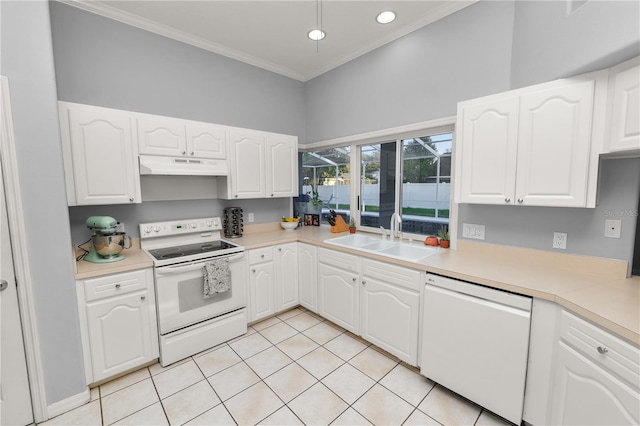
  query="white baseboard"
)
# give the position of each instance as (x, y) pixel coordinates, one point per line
(68, 404)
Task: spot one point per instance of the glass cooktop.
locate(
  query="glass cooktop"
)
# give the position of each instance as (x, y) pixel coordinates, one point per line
(190, 249)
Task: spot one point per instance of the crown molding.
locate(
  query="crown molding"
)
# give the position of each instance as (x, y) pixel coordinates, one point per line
(110, 12)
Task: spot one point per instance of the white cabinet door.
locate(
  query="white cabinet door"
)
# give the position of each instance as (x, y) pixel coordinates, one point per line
(390, 308)
(161, 136)
(286, 263)
(586, 394)
(206, 140)
(624, 107)
(247, 164)
(554, 141)
(486, 151)
(121, 333)
(307, 276)
(101, 164)
(338, 296)
(262, 291)
(281, 166)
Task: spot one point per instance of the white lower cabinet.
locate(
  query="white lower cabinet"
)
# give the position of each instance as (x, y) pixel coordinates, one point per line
(390, 308)
(308, 276)
(286, 274)
(597, 379)
(338, 288)
(118, 323)
(262, 284)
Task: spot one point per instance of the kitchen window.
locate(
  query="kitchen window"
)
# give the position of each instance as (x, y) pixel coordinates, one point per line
(409, 176)
(326, 175)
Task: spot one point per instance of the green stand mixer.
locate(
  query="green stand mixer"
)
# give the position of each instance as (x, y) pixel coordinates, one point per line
(106, 241)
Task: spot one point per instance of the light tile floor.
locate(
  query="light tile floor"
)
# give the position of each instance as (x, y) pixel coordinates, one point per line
(293, 369)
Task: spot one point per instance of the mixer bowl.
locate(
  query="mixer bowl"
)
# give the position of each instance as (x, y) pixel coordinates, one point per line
(110, 245)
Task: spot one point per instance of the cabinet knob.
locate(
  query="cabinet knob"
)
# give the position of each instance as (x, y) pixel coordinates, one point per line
(520, 200)
(354, 279)
(262, 256)
(117, 285)
(507, 200)
(131, 199)
(143, 298)
(602, 350)
(253, 270)
(364, 282)
(236, 195)
(192, 153)
(279, 248)
(184, 152)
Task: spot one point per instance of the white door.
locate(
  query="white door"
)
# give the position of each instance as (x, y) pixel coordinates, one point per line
(247, 164)
(104, 158)
(206, 141)
(262, 291)
(307, 276)
(554, 144)
(15, 399)
(338, 296)
(287, 275)
(487, 149)
(625, 108)
(161, 136)
(282, 166)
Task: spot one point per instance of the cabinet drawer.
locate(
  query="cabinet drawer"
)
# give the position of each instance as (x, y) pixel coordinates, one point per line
(609, 352)
(340, 260)
(392, 274)
(264, 254)
(111, 285)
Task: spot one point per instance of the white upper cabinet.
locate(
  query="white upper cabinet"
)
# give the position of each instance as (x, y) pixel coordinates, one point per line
(100, 155)
(261, 165)
(536, 146)
(180, 138)
(281, 166)
(623, 112)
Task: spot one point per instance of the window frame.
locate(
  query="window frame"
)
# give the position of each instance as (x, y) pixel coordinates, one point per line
(398, 134)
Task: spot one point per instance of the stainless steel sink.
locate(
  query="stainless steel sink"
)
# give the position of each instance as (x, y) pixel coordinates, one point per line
(394, 249)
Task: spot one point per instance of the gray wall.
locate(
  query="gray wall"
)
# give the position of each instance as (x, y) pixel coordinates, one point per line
(550, 42)
(487, 48)
(106, 63)
(419, 77)
(28, 63)
(533, 227)
(267, 210)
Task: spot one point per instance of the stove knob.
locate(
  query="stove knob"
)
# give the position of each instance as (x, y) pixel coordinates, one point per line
(156, 229)
(147, 230)
(193, 225)
(208, 224)
(216, 222)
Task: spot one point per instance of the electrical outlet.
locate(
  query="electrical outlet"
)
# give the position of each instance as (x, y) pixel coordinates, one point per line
(560, 240)
(120, 227)
(250, 217)
(612, 228)
(473, 231)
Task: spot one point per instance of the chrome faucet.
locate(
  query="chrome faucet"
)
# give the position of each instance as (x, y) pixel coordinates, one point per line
(395, 227)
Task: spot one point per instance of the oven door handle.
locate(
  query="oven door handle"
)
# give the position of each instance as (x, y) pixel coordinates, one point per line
(170, 270)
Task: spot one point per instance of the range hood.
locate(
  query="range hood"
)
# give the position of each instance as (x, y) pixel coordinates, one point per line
(181, 166)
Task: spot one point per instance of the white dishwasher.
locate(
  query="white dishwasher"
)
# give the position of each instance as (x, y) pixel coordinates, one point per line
(475, 342)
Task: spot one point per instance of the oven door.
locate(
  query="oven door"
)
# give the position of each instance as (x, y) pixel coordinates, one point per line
(180, 294)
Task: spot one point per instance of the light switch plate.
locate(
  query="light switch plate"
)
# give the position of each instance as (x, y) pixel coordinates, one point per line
(250, 217)
(612, 228)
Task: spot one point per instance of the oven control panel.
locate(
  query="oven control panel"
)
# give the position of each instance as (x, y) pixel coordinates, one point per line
(178, 227)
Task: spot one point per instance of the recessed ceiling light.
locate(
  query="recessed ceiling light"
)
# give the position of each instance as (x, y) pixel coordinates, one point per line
(316, 35)
(386, 17)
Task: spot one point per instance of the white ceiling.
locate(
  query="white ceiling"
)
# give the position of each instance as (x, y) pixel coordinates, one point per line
(273, 34)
